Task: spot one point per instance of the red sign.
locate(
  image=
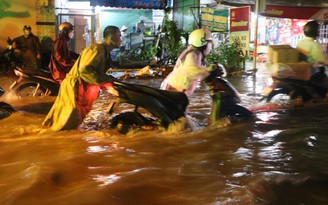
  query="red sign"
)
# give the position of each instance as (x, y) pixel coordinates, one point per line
(296, 12)
(239, 19)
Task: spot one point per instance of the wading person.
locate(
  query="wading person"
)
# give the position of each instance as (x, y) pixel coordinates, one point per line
(81, 86)
(62, 59)
(190, 67)
(29, 48)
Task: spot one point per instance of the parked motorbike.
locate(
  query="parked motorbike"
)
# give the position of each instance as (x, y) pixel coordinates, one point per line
(33, 84)
(8, 59)
(5, 109)
(168, 106)
(314, 89)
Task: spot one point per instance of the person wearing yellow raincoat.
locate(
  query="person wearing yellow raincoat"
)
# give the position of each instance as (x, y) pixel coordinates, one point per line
(190, 68)
(81, 86)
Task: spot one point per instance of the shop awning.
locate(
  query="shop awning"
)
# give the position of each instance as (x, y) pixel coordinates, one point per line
(140, 4)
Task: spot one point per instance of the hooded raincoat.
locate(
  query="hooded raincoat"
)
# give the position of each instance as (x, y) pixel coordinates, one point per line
(29, 47)
(61, 60)
(186, 74)
(80, 89)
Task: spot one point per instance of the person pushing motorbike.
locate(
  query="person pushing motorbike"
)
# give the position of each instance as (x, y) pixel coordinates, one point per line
(81, 86)
(62, 59)
(190, 67)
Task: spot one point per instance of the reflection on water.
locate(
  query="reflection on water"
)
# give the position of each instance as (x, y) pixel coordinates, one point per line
(278, 158)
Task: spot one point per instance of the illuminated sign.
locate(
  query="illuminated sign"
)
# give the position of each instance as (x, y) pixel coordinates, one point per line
(142, 4)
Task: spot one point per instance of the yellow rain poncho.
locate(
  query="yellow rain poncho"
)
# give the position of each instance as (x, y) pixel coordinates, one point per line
(186, 74)
(79, 89)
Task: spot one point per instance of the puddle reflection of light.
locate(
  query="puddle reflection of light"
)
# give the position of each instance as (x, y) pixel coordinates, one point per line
(311, 140)
(108, 148)
(244, 153)
(97, 149)
(112, 178)
(106, 180)
(239, 174)
(270, 134)
(266, 116)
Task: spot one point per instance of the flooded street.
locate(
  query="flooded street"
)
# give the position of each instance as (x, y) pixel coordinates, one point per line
(278, 158)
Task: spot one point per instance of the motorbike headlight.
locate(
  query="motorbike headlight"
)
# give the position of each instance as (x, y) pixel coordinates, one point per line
(270, 82)
(18, 73)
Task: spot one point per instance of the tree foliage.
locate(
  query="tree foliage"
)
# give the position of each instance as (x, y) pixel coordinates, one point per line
(227, 54)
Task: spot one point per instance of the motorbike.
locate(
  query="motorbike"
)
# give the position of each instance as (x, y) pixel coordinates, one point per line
(164, 106)
(167, 107)
(34, 84)
(5, 109)
(29, 83)
(8, 59)
(314, 89)
(225, 99)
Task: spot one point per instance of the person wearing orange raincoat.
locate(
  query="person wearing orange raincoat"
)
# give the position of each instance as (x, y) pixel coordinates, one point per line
(81, 86)
(62, 59)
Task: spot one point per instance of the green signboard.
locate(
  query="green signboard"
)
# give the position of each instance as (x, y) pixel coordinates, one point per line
(215, 19)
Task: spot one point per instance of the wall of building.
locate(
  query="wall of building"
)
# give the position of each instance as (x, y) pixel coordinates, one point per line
(14, 14)
(186, 14)
(45, 15)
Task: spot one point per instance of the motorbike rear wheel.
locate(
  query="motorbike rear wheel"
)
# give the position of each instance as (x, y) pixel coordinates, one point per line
(4, 113)
(126, 121)
(31, 90)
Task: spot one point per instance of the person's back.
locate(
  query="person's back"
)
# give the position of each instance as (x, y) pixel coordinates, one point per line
(187, 72)
(189, 68)
(312, 50)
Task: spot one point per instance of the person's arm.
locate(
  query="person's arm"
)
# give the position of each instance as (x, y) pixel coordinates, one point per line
(15, 45)
(38, 47)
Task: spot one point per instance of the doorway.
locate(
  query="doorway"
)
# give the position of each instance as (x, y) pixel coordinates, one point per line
(84, 30)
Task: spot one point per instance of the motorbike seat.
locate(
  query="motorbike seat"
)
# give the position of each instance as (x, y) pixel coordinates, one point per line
(290, 80)
(44, 73)
(166, 105)
(173, 97)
